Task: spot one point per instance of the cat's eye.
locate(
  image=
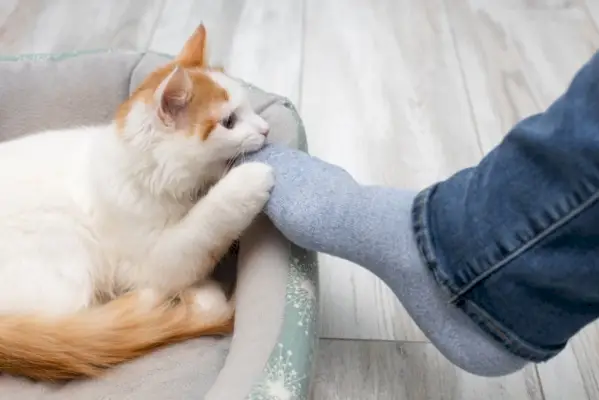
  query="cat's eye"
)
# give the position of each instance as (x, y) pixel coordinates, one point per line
(229, 122)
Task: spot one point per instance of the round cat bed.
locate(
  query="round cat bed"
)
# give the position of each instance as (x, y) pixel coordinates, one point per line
(270, 355)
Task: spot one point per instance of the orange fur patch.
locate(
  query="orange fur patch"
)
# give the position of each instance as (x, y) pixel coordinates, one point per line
(206, 94)
(85, 344)
(194, 50)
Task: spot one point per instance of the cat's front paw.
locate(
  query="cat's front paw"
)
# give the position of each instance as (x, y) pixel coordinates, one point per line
(252, 183)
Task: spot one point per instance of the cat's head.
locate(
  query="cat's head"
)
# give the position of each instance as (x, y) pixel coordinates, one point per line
(189, 118)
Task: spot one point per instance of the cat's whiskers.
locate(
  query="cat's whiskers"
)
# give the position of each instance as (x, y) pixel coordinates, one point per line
(232, 161)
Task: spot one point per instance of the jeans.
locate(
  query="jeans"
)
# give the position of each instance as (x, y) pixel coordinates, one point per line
(515, 239)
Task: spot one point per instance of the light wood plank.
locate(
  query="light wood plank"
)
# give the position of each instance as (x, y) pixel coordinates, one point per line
(529, 5)
(518, 57)
(382, 96)
(574, 374)
(38, 26)
(593, 9)
(259, 41)
(362, 370)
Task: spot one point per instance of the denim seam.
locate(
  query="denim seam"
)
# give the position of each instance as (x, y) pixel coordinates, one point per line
(516, 345)
(424, 241)
(510, 340)
(527, 245)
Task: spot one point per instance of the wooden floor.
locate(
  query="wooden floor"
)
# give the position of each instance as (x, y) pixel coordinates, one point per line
(399, 92)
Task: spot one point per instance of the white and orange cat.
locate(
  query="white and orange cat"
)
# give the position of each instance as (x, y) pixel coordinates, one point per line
(101, 226)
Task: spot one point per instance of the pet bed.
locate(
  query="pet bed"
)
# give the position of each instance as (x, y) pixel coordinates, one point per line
(270, 355)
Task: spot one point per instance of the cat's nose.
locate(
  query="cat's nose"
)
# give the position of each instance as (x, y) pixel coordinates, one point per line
(264, 132)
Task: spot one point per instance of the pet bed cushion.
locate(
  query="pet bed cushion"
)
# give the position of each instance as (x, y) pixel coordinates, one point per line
(270, 354)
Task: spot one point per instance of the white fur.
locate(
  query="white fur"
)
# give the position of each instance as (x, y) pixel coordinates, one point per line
(91, 212)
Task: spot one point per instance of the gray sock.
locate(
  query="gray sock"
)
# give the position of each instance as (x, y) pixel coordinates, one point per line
(320, 207)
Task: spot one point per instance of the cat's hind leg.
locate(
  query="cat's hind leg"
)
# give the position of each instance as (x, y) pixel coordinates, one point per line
(33, 284)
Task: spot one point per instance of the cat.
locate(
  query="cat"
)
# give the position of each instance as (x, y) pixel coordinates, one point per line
(106, 246)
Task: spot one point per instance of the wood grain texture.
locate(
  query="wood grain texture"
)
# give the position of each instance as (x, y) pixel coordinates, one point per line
(39, 26)
(259, 41)
(561, 378)
(383, 97)
(369, 370)
(518, 56)
(574, 374)
(593, 10)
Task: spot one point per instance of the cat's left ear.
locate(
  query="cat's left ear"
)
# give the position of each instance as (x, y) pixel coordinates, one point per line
(194, 51)
(173, 95)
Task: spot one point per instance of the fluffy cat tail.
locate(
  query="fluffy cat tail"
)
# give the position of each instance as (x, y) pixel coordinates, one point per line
(87, 343)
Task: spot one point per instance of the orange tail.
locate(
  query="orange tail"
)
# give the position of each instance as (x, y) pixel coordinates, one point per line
(87, 343)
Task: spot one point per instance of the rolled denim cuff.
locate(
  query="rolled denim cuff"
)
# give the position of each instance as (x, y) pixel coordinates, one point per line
(452, 280)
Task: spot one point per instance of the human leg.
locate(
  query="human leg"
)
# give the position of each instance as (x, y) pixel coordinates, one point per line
(320, 207)
(514, 240)
(505, 248)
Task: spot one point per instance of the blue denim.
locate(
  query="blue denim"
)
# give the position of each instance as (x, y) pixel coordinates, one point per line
(515, 239)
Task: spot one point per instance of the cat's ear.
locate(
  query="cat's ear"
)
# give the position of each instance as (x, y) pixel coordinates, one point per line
(173, 95)
(194, 51)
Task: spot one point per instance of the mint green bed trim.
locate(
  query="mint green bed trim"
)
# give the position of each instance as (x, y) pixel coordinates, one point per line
(288, 373)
